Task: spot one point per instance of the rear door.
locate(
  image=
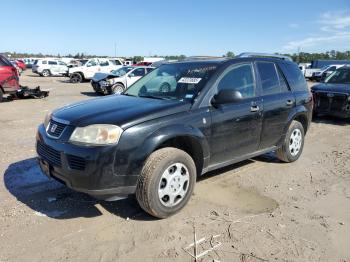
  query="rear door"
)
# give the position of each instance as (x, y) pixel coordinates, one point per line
(236, 126)
(278, 102)
(63, 69)
(53, 67)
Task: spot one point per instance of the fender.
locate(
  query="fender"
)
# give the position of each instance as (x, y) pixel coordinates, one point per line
(158, 137)
(178, 130)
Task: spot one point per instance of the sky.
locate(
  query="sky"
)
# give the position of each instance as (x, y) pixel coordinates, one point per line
(160, 27)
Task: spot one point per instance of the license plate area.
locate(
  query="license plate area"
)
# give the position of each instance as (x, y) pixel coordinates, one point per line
(45, 167)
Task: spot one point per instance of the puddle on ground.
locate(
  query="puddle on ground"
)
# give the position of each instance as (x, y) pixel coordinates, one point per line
(246, 200)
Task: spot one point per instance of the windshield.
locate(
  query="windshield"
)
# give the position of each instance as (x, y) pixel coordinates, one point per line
(323, 68)
(340, 76)
(122, 71)
(179, 81)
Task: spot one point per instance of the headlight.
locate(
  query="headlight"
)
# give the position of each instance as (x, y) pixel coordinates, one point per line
(47, 119)
(96, 135)
(110, 81)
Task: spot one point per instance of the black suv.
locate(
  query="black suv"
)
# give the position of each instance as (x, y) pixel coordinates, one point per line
(155, 141)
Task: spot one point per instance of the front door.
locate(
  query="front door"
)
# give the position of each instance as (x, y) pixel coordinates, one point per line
(135, 75)
(236, 126)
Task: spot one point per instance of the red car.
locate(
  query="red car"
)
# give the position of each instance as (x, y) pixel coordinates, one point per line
(9, 80)
(143, 64)
(21, 64)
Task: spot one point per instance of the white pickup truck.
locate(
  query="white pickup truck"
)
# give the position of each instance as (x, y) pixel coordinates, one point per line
(91, 67)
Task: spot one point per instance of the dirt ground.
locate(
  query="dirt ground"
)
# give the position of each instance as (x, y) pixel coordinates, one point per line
(258, 210)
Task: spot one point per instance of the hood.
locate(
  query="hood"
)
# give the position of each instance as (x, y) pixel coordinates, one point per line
(121, 110)
(340, 88)
(100, 76)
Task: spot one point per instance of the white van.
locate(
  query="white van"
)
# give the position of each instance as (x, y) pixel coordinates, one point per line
(48, 67)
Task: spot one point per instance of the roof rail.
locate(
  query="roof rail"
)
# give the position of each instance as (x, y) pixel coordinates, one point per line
(248, 54)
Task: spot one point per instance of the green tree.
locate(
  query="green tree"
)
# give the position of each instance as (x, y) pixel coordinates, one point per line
(230, 54)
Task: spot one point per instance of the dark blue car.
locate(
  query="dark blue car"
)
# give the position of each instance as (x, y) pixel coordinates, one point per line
(332, 97)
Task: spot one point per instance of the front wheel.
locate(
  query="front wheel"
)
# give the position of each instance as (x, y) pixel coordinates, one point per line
(117, 89)
(166, 182)
(293, 144)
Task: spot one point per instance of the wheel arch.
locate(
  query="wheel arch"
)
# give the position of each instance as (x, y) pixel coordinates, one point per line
(186, 138)
(80, 73)
(301, 115)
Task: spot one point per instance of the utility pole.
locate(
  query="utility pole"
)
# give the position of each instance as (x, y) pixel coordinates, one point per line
(115, 49)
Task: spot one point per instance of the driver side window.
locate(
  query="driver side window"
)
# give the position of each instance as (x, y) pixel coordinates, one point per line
(239, 78)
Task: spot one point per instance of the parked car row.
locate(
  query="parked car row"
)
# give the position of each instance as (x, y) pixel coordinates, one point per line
(319, 69)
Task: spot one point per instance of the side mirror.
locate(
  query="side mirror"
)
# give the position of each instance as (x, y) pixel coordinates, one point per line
(131, 75)
(226, 96)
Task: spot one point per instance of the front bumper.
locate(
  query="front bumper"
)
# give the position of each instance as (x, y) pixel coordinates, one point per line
(102, 89)
(91, 170)
(333, 104)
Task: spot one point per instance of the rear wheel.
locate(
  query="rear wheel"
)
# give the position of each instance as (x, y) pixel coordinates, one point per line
(293, 144)
(76, 78)
(46, 73)
(117, 89)
(166, 182)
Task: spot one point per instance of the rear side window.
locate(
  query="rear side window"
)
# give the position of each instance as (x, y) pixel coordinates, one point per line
(104, 63)
(116, 62)
(44, 62)
(269, 79)
(294, 76)
(52, 63)
(240, 78)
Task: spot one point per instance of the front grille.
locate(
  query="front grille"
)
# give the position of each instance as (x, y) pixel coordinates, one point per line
(55, 128)
(331, 101)
(49, 154)
(76, 162)
(339, 102)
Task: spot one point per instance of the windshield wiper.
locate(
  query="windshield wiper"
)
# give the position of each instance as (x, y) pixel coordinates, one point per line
(154, 97)
(126, 94)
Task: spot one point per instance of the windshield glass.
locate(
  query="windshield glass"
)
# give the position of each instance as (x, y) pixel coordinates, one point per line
(340, 76)
(179, 81)
(323, 68)
(122, 71)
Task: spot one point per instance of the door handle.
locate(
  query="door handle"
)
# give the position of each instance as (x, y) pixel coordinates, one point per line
(254, 108)
(289, 102)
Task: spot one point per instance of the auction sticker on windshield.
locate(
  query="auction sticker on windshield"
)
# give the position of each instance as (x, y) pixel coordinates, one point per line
(189, 80)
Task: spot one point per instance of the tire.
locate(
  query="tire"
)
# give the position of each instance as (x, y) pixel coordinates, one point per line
(117, 89)
(76, 78)
(165, 88)
(293, 144)
(46, 73)
(161, 166)
(1, 95)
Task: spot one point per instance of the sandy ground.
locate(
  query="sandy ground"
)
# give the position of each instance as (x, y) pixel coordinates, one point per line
(260, 210)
